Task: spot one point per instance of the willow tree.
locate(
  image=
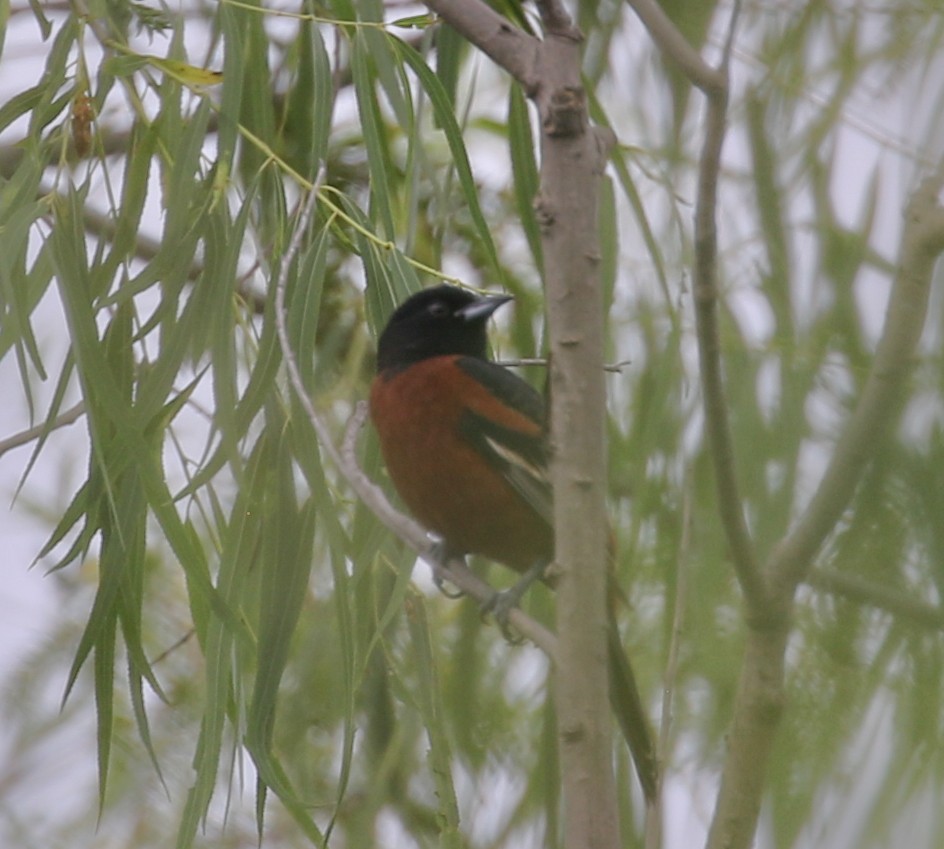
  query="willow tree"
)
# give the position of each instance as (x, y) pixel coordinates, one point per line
(723, 261)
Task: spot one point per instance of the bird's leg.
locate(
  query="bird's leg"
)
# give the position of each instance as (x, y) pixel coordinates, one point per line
(440, 555)
(502, 603)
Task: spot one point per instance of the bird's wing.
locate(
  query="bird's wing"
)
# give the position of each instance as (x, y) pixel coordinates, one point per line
(506, 424)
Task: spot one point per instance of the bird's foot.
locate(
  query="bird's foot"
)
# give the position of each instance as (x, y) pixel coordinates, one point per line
(440, 556)
(500, 606)
(502, 603)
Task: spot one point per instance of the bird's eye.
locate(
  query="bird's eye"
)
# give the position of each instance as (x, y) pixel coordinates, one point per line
(438, 309)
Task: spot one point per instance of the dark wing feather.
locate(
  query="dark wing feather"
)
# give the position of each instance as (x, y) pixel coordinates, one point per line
(508, 388)
(520, 455)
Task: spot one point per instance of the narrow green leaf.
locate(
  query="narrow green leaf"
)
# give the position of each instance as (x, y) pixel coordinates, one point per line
(45, 25)
(382, 192)
(390, 75)
(104, 702)
(127, 65)
(138, 707)
(54, 98)
(285, 565)
(55, 406)
(240, 545)
(384, 291)
(235, 59)
(310, 102)
(117, 438)
(185, 141)
(446, 118)
(307, 453)
(216, 290)
(285, 559)
(618, 160)
(429, 701)
(21, 291)
(415, 21)
(304, 305)
(77, 508)
(524, 171)
(134, 190)
(21, 104)
(450, 49)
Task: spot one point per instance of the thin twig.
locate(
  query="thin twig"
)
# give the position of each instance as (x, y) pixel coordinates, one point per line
(613, 368)
(26, 436)
(870, 594)
(674, 45)
(705, 292)
(174, 646)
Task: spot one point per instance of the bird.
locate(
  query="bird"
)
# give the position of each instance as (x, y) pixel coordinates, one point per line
(464, 443)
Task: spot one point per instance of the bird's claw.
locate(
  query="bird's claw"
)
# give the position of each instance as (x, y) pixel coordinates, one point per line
(441, 580)
(500, 606)
(440, 556)
(502, 603)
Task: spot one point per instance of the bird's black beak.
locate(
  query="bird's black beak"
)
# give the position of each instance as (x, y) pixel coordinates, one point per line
(482, 308)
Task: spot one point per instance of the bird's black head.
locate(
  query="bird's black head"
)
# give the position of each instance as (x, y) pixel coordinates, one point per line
(436, 322)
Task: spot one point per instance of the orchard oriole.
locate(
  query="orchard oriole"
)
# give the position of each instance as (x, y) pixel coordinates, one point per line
(464, 443)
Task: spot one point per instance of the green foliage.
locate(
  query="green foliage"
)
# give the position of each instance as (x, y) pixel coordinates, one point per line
(324, 691)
